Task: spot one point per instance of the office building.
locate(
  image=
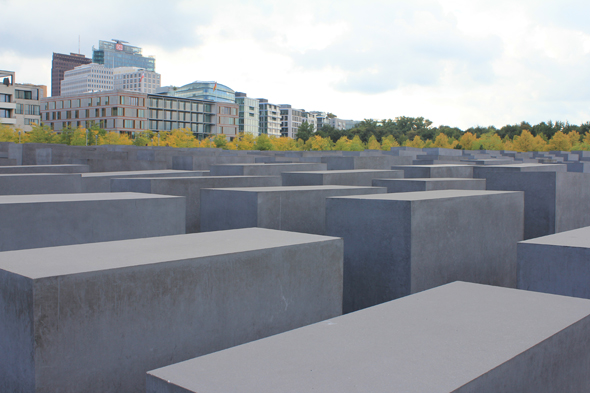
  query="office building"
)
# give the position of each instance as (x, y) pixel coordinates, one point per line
(136, 79)
(337, 123)
(211, 91)
(117, 54)
(62, 63)
(269, 118)
(130, 112)
(87, 78)
(291, 119)
(19, 102)
(248, 114)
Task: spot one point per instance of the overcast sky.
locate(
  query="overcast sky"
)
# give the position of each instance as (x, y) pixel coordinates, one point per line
(456, 62)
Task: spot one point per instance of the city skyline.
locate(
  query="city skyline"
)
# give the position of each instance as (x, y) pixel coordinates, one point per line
(453, 62)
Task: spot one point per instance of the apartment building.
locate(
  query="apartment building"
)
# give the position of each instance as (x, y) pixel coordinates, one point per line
(292, 118)
(248, 114)
(269, 118)
(136, 79)
(20, 102)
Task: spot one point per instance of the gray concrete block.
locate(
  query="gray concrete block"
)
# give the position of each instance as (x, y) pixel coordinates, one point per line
(447, 170)
(40, 183)
(44, 169)
(403, 243)
(558, 264)
(365, 162)
(354, 177)
(190, 187)
(430, 184)
(554, 201)
(459, 338)
(263, 169)
(33, 221)
(101, 181)
(481, 171)
(490, 161)
(581, 167)
(96, 317)
(296, 208)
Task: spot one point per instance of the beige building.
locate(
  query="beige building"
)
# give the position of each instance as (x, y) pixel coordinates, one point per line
(20, 102)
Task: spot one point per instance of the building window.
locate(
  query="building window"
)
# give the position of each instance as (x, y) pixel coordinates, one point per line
(23, 95)
(19, 109)
(4, 113)
(5, 98)
(31, 122)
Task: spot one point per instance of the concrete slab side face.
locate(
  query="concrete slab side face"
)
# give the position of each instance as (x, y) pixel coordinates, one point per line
(301, 209)
(101, 331)
(45, 183)
(343, 178)
(456, 338)
(557, 264)
(377, 249)
(430, 184)
(17, 343)
(572, 201)
(409, 242)
(466, 239)
(539, 198)
(47, 224)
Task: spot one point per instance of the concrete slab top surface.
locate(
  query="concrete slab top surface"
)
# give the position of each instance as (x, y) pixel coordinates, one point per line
(344, 171)
(6, 175)
(199, 178)
(520, 167)
(82, 258)
(58, 198)
(270, 164)
(434, 341)
(579, 238)
(434, 179)
(147, 173)
(426, 195)
(432, 166)
(295, 188)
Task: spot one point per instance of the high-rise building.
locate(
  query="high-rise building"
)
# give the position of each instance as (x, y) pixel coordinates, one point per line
(118, 54)
(62, 63)
(136, 79)
(270, 118)
(87, 78)
(19, 102)
(248, 114)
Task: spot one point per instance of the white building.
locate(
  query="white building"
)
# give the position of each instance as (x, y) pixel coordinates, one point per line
(291, 119)
(136, 79)
(87, 78)
(270, 118)
(337, 123)
(19, 102)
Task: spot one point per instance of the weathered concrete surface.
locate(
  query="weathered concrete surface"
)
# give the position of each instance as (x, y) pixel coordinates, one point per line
(403, 243)
(364, 162)
(96, 317)
(354, 177)
(40, 183)
(44, 169)
(461, 338)
(430, 184)
(482, 171)
(554, 201)
(263, 169)
(558, 264)
(33, 221)
(447, 170)
(101, 181)
(190, 187)
(296, 208)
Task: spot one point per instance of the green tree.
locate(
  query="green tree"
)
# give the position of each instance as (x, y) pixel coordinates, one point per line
(305, 131)
(40, 134)
(263, 143)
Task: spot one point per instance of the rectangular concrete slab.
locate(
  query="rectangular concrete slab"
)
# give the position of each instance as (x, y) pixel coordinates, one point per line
(461, 338)
(355, 177)
(40, 183)
(96, 317)
(446, 170)
(47, 220)
(430, 184)
(554, 201)
(190, 187)
(481, 171)
(101, 181)
(66, 168)
(263, 169)
(403, 243)
(296, 208)
(558, 264)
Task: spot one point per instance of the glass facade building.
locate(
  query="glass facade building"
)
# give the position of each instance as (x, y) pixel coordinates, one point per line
(248, 114)
(117, 54)
(212, 91)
